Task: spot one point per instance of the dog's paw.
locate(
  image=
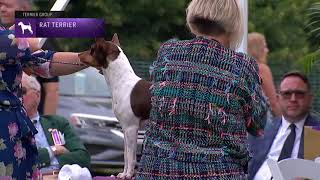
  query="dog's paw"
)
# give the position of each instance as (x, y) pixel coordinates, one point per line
(126, 176)
(129, 176)
(121, 175)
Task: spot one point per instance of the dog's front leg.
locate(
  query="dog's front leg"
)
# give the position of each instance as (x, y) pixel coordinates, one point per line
(123, 174)
(131, 135)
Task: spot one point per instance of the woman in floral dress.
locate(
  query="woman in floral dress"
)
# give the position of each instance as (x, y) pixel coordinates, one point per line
(18, 151)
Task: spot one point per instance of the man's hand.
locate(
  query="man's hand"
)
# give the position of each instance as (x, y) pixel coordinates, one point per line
(59, 150)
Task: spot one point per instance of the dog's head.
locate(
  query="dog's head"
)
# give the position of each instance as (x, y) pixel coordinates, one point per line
(101, 53)
(20, 24)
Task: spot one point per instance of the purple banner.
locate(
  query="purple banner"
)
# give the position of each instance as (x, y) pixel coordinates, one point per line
(59, 27)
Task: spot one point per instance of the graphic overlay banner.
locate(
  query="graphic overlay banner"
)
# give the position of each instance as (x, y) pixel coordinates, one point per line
(59, 27)
(40, 14)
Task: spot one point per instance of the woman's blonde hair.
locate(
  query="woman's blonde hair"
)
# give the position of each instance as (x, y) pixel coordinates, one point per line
(216, 17)
(256, 44)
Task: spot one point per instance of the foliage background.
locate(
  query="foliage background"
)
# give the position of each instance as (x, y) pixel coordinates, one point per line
(142, 25)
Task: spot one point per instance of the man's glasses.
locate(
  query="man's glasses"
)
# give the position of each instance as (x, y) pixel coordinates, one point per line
(299, 94)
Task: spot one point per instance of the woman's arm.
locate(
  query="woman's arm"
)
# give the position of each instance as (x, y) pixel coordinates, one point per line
(255, 108)
(59, 69)
(57, 66)
(269, 88)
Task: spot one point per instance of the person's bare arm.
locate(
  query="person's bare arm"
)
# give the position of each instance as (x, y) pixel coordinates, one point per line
(51, 98)
(268, 88)
(59, 69)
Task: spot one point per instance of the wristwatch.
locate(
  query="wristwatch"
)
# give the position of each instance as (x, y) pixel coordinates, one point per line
(54, 149)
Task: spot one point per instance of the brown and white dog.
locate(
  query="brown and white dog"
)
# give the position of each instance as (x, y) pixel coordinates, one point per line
(131, 101)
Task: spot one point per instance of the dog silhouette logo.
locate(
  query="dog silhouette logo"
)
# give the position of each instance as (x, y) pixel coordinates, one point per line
(25, 27)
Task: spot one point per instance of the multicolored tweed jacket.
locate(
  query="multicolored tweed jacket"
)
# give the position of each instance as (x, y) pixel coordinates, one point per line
(205, 98)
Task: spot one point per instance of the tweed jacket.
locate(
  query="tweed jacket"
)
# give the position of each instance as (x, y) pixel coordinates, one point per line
(205, 98)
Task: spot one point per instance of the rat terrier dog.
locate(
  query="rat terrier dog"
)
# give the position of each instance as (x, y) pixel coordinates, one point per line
(131, 101)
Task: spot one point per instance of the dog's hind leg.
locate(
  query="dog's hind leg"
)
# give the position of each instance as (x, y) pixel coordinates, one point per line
(131, 135)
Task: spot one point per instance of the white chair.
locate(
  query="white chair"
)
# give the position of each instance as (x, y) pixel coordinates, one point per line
(289, 169)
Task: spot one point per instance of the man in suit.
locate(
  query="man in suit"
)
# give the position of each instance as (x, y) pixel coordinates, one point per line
(56, 140)
(283, 137)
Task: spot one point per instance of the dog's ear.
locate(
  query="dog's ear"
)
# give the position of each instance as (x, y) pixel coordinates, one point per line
(112, 51)
(115, 39)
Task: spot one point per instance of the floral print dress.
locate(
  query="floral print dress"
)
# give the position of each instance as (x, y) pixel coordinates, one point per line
(18, 151)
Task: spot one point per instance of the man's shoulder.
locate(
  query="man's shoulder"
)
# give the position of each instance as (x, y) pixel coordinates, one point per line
(273, 122)
(271, 126)
(313, 119)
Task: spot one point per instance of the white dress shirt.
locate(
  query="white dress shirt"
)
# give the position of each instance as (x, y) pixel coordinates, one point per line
(264, 172)
(42, 142)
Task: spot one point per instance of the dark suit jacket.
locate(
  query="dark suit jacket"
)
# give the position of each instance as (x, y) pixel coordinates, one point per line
(78, 153)
(260, 147)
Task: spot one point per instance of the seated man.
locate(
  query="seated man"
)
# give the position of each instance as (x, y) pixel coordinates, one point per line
(283, 138)
(56, 140)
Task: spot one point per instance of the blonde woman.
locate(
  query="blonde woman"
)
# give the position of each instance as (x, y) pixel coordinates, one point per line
(205, 98)
(257, 48)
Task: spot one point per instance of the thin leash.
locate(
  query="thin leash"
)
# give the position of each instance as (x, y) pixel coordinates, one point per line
(43, 60)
